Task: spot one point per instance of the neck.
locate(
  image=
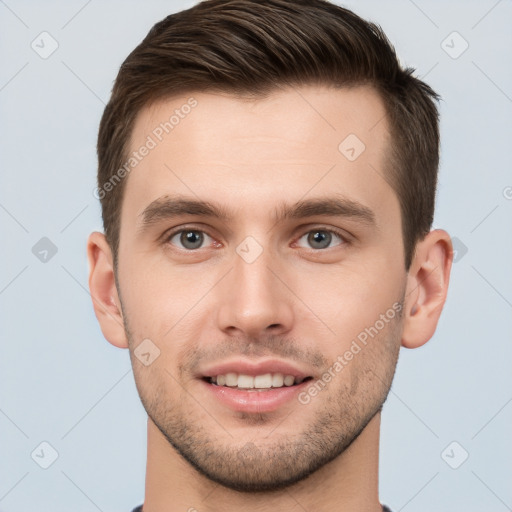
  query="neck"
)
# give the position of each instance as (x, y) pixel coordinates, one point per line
(349, 483)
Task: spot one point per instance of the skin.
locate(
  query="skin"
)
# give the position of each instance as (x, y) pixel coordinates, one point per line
(297, 301)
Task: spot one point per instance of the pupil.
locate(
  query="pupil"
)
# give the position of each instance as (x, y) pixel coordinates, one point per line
(191, 239)
(320, 239)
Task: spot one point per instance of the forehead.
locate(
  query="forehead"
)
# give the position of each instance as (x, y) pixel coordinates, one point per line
(248, 153)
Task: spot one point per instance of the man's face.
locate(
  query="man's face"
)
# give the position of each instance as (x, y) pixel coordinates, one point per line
(260, 292)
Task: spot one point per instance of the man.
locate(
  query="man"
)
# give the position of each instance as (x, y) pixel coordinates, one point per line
(267, 176)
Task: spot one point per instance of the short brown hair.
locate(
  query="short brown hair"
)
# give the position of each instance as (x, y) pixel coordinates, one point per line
(252, 47)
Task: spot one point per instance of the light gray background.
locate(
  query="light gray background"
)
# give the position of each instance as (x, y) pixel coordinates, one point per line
(62, 383)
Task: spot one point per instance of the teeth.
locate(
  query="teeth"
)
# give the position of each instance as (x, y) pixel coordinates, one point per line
(231, 379)
(289, 380)
(265, 381)
(277, 380)
(245, 381)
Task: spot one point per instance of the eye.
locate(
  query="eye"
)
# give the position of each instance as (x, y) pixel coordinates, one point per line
(321, 239)
(189, 239)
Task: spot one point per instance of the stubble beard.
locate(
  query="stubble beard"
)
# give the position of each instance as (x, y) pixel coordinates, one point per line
(271, 462)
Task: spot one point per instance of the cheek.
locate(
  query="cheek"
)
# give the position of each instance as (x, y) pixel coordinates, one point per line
(350, 298)
(156, 295)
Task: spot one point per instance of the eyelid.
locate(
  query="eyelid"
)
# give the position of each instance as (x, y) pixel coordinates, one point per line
(345, 238)
(169, 234)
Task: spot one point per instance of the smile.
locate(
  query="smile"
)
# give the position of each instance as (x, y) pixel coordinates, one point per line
(257, 382)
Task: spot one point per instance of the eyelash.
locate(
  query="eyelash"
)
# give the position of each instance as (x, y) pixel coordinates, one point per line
(340, 234)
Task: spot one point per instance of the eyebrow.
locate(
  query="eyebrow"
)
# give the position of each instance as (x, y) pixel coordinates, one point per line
(169, 207)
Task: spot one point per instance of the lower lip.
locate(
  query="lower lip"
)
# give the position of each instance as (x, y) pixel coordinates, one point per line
(255, 401)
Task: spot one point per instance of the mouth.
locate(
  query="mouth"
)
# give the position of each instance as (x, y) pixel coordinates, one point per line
(256, 383)
(249, 386)
(245, 386)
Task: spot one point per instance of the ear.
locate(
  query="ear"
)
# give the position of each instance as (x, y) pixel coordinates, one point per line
(427, 286)
(102, 286)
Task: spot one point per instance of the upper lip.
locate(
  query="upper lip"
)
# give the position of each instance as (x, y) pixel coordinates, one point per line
(253, 368)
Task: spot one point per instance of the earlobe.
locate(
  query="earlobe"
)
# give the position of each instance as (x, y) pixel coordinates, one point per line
(427, 287)
(102, 286)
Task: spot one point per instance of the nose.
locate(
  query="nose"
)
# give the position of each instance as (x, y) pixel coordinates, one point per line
(253, 300)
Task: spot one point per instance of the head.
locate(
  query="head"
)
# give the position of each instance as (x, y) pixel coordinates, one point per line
(267, 176)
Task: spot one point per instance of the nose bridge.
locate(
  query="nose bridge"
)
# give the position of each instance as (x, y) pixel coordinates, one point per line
(253, 300)
(253, 279)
